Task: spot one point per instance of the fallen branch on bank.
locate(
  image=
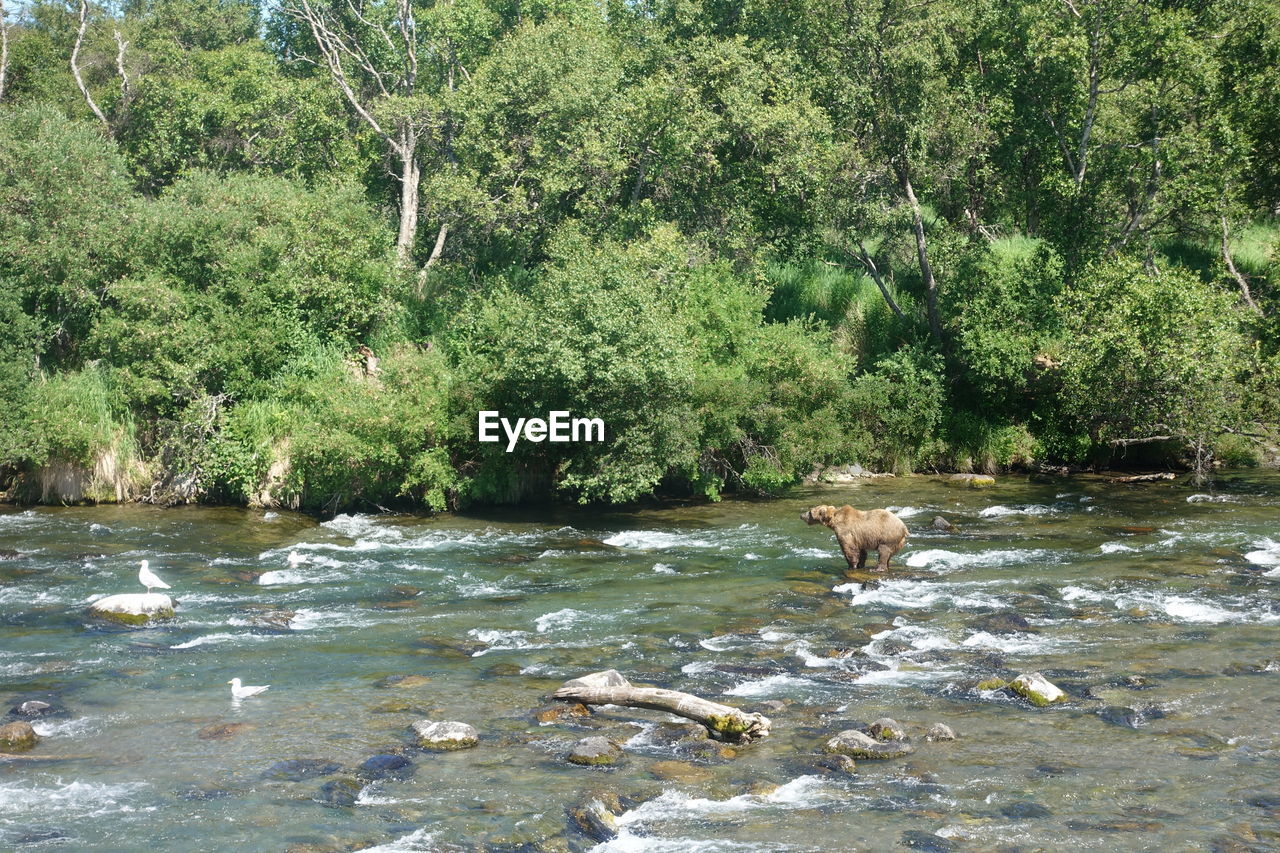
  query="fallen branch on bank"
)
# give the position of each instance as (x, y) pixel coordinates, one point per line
(1145, 478)
(610, 688)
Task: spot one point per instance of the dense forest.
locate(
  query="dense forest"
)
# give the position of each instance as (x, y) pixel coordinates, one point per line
(284, 253)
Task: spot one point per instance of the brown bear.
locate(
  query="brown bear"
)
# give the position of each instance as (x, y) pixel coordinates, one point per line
(859, 532)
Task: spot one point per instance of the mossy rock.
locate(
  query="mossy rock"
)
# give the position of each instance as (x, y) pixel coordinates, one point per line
(17, 737)
(595, 751)
(991, 684)
(445, 736)
(858, 744)
(1037, 689)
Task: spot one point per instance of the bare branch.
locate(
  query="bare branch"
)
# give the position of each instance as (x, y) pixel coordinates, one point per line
(1150, 439)
(75, 65)
(1235, 273)
(865, 257)
(331, 49)
(125, 88)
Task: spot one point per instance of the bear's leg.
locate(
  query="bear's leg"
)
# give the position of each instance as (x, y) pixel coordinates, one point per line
(886, 551)
(862, 558)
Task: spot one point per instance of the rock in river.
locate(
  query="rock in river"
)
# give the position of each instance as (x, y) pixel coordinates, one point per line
(338, 793)
(445, 735)
(940, 731)
(385, 765)
(886, 729)
(1037, 689)
(595, 752)
(297, 769)
(859, 745)
(17, 737)
(133, 609)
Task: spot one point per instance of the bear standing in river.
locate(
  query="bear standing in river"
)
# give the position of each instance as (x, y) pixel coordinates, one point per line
(859, 532)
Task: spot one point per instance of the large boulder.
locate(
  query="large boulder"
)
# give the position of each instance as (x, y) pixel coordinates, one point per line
(133, 609)
(858, 744)
(17, 737)
(445, 735)
(1037, 689)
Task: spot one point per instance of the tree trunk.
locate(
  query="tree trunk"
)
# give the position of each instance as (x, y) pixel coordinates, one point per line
(4, 48)
(410, 175)
(922, 253)
(610, 688)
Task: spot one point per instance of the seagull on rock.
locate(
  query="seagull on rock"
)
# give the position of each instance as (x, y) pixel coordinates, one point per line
(148, 578)
(238, 692)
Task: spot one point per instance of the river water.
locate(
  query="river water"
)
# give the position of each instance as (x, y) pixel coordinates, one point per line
(1154, 606)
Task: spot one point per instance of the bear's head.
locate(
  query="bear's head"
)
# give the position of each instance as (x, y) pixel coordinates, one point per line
(818, 515)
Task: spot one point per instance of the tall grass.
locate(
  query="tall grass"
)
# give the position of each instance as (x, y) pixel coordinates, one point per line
(849, 303)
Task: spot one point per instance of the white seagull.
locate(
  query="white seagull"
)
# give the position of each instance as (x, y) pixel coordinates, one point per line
(148, 578)
(238, 692)
(295, 559)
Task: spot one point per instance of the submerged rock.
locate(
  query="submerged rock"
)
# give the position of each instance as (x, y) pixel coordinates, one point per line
(297, 769)
(1037, 689)
(223, 731)
(133, 610)
(1024, 810)
(941, 525)
(562, 711)
(940, 731)
(403, 681)
(679, 771)
(858, 744)
(918, 839)
(338, 793)
(384, 766)
(830, 764)
(17, 737)
(1008, 622)
(595, 752)
(445, 735)
(973, 481)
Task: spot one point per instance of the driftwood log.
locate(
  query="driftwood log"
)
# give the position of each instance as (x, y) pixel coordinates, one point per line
(1145, 478)
(610, 688)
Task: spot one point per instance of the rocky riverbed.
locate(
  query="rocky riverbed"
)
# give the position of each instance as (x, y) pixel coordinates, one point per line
(903, 708)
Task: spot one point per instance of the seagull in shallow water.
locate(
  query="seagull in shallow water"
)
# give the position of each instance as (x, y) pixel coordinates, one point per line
(295, 559)
(238, 692)
(148, 578)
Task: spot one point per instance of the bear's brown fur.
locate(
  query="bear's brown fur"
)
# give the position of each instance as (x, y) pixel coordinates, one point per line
(859, 532)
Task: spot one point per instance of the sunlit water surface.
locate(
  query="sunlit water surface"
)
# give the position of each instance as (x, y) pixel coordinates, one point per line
(737, 601)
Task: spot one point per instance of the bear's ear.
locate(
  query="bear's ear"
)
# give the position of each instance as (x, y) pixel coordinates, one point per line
(824, 513)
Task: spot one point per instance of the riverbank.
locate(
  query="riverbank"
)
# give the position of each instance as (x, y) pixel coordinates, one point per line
(1152, 606)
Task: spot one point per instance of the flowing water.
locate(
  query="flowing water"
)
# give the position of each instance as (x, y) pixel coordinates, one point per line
(1153, 606)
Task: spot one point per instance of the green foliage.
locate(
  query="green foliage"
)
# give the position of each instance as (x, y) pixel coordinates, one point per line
(18, 348)
(237, 277)
(1004, 313)
(1148, 354)
(898, 406)
(725, 229)
(233, 108)
(63, 194)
